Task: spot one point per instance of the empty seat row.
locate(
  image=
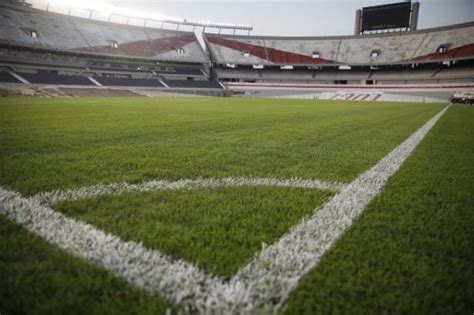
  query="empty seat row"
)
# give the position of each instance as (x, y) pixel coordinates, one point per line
(128, 82)
(52, 78)
(61, 79)
(193, 84)
(8, 78)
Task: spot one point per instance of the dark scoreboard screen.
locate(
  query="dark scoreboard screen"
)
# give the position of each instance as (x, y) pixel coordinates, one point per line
(382, 17)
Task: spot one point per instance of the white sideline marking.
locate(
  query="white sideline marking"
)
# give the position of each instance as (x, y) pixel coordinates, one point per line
(260, 287)
(54, 197)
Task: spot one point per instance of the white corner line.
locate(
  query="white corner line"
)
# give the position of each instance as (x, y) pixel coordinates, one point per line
(140, 267)
(260, 287)
(54, 197)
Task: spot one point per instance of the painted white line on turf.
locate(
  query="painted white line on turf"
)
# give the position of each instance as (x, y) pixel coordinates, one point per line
(275, 272)
(51, 198)
(260, 287)
(140, 267)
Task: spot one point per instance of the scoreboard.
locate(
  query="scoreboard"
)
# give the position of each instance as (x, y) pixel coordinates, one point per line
(388, 16)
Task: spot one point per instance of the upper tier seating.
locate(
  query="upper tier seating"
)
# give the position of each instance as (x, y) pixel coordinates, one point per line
(26, 27)
(445, 43)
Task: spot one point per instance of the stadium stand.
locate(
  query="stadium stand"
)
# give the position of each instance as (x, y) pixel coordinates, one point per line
(436, 75)
(27, 27)
(87, 92)
(6, 77)
(34, 58)
(56, 79)
(181, 72)
(62, 79)
(29, 59)
(128, 82)
(58, 49)
(192, 84)
(436, 44)
(431, 56)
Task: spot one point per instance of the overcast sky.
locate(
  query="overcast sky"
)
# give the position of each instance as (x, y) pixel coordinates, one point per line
(297, 17)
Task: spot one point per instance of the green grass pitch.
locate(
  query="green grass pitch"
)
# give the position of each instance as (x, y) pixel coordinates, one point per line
(411, 251)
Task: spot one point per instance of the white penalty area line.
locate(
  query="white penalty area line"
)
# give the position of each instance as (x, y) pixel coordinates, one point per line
(260, 287)
(54, 197)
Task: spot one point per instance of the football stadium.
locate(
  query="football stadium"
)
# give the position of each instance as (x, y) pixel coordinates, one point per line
(173, 165)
